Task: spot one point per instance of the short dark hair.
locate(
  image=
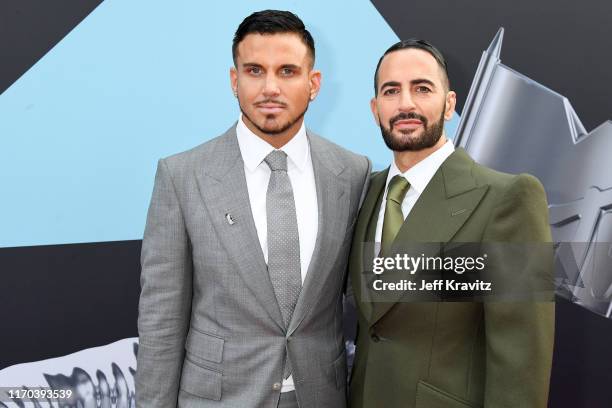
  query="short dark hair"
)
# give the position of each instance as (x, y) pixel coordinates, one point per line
(419, 44)
(273, 22)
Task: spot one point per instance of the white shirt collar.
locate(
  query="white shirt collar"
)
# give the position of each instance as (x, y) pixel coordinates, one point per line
(254, 149)
(421, 173)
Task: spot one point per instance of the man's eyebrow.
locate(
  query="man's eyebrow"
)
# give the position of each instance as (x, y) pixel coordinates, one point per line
(413, 82)
(422, 81)
(389, 83)
(292, 66)
(254, 64)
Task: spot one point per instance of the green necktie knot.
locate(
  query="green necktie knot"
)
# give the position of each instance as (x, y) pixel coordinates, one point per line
(398, 187)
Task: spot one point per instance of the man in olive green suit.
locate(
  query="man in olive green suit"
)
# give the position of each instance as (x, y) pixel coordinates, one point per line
(434, 354)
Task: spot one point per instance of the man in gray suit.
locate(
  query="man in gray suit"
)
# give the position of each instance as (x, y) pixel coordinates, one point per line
(246, 244)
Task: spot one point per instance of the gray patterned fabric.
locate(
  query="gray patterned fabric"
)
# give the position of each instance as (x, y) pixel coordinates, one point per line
(212, 334)
(288, 400)
(283, 239)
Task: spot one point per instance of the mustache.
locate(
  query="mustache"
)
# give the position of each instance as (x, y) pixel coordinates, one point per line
(274, 101)
(406, 116)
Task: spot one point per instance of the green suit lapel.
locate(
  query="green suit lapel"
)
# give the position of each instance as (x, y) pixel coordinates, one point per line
(444, 206)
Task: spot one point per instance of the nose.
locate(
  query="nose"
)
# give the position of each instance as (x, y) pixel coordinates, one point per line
(271, 87)
(406, 103)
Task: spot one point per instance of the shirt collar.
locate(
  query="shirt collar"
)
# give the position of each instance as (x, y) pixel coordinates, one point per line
(254, 149)
(421, 173)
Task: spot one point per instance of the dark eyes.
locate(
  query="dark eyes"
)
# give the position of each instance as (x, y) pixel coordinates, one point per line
(395, 91)
(286, 71)
(391, 91)
(282, 72)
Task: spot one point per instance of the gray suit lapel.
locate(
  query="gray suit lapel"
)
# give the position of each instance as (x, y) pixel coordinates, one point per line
(333, 203)
(224, 191)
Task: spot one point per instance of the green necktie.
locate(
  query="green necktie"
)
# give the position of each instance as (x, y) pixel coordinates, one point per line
(394, 218)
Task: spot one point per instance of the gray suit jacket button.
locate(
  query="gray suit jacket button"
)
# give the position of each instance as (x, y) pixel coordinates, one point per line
(276, 386)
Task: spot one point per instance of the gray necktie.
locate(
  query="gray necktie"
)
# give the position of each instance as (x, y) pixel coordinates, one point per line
(283, 239)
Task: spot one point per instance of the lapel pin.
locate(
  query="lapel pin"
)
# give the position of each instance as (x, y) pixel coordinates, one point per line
(461, 211)
(230, 219)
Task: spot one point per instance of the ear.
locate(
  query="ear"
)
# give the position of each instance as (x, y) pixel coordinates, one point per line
(314, 78)
(374, 110)
(449, 107)
(234, 80)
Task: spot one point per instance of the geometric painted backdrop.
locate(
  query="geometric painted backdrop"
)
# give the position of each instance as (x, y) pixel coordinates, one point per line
(138, 80)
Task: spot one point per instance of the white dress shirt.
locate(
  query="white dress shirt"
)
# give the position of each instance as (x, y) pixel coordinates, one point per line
(299, 168)
(418, 176)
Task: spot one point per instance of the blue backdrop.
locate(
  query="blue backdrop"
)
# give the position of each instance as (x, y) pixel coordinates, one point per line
(135, 81)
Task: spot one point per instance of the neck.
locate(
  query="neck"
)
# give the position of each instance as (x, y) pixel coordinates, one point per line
(408, 159)
(277, 140)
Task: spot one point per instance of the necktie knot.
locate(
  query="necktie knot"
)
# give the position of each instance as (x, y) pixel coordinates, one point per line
(398, 187)
(277, 160)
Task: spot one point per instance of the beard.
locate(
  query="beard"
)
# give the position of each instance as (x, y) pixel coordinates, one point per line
(428, 138)
(278, 129)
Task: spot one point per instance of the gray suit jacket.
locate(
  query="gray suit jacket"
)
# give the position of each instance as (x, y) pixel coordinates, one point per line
(211, 332)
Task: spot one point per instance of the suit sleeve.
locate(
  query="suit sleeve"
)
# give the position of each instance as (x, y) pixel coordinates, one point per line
(349, 304)
(365, 185)
(366, 181)
(165, 299)
(520, 334)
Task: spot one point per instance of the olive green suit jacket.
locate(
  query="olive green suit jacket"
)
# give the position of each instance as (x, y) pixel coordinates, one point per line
(435, 354)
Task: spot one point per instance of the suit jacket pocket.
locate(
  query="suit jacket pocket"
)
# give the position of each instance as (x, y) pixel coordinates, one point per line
(200, 381)
(204, 346)
(429, 396)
